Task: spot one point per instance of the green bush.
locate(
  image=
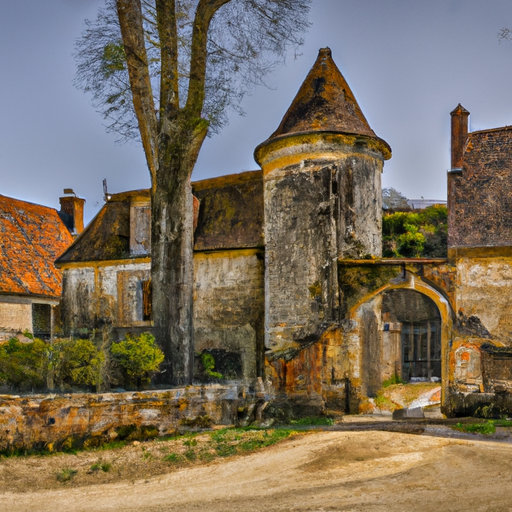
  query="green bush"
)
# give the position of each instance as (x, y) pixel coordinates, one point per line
(23, 366)
(76, 362)
(70, 363)
(138, 357)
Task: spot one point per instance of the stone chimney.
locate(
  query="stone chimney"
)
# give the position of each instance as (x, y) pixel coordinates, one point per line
(459, 135)
(72, 211)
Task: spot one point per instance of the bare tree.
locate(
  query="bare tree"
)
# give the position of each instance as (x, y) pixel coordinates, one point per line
(505, 34)
(167, 71)
(392, 198)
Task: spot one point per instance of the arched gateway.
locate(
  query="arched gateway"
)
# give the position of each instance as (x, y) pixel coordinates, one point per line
(401, 329)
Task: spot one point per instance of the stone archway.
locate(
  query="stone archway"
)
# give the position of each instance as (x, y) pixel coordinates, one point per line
(412, 331)
(376, 348)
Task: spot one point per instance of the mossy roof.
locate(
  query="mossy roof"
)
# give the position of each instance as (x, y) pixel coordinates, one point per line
(230, 217)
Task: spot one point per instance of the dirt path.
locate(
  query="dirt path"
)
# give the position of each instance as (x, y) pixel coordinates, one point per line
(325, 471)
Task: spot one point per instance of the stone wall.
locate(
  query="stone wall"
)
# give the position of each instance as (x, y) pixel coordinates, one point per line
(14, 317)
(72, 421)
(484, 290)
(229, 307)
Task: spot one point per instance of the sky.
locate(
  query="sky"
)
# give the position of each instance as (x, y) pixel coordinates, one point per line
(408, 62)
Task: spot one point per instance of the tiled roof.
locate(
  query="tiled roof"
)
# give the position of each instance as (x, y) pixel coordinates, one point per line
(230, 217)
(107, 237)
(31, 238)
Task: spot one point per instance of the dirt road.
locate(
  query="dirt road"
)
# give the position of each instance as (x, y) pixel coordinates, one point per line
(325, 471)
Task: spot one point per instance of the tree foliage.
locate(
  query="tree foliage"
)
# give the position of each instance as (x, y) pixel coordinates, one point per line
(505, 34)
(416, 234)
(246, 41)
(392, 198)
(186, 63)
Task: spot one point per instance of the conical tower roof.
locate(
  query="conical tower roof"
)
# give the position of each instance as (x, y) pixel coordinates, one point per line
(325, 103)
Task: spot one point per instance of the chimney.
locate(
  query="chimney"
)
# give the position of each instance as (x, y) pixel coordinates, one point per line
(459, 135)
(73, 209)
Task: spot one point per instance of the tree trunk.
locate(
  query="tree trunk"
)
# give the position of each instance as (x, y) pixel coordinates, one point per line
(172, 263)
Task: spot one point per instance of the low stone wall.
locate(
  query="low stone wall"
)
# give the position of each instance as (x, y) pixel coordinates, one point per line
(70, 421)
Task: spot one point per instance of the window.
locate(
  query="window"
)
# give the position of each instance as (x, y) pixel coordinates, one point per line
(146, 300)
(42, 321)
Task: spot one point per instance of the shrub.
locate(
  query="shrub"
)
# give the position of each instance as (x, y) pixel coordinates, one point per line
(138, 357)
(23, 365)
(76, 362)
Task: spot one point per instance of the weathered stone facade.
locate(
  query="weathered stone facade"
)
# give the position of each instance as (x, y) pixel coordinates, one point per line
(290, 285)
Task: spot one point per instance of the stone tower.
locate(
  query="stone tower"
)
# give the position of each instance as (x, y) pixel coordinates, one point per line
(322, 201)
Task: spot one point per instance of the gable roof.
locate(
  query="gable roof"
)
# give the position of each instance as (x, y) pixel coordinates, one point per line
(31, 238)
(230, 217)
(107, 237)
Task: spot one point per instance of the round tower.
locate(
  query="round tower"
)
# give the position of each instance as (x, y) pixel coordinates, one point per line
(322, 201)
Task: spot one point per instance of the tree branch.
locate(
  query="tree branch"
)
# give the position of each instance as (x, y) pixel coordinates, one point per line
(168, 35)
(132, 31)
(204, 14)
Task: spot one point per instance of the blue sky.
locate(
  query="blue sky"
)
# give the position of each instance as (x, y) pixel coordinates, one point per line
(409, 63)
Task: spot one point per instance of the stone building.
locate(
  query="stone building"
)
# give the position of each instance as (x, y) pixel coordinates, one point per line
(30, 285)
(290, 285)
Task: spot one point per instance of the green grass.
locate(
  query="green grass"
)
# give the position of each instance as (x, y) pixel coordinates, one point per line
(66, 474)
(503, 423)
(103, 466)
(486, 428)
(113, 445)
(192, 447)
(316, 420)
(173, 457)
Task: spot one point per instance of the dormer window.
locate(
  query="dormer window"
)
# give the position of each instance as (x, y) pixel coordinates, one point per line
(140, 228)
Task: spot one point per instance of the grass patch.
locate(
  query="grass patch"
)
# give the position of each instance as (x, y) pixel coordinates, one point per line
(205, 447)
(384, 403)
(66, 474)
(173, 457)
(503, 423)
(103, 466)
(316, 420)
(395, 379)
(486, 428)
(113, 445)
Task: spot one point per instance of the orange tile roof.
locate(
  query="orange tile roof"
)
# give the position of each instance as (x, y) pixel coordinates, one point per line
(31, 238)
